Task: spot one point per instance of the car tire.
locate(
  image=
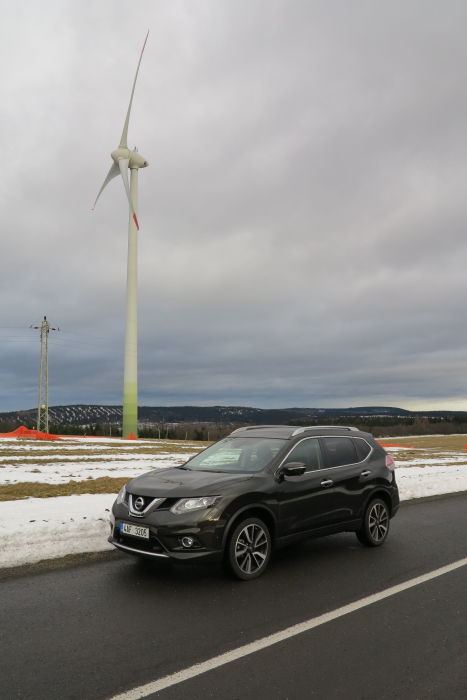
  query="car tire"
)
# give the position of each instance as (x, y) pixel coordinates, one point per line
(248, 549)
(375, 526)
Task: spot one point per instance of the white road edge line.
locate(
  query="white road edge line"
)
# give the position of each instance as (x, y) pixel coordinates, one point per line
(144, 691)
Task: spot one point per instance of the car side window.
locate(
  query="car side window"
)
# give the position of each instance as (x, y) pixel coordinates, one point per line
(309, 452)
(363, 449)
(339, 451)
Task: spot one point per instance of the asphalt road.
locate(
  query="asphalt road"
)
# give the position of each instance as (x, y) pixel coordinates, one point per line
(92, 631)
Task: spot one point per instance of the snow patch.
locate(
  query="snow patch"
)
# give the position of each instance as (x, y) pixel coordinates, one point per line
(42, 528)
(46, 528)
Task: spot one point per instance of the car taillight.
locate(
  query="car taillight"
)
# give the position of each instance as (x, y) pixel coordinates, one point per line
(390, 462)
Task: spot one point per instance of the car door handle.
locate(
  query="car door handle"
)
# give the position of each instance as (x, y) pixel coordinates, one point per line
(365, 473)
(327, 482)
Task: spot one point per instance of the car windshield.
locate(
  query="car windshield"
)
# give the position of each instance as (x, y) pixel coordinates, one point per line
(237, 454)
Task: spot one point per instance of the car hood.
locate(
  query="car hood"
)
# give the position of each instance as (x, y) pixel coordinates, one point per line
(181, 483)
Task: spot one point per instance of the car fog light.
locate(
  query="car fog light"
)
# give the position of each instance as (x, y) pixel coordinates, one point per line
(187, 542)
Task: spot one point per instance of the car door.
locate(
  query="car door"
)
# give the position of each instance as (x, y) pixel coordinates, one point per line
(344, 472)
(306, 502)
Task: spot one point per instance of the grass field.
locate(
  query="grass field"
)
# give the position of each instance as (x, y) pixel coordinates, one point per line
(434, 442)
(46, 469)
(41, 469)
(426, 450)
(32, 489)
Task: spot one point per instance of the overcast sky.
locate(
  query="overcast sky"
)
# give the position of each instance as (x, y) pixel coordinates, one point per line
(303, 217)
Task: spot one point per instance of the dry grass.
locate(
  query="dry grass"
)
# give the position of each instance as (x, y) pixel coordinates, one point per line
(55, 452)
(444, 447)
(60, 454)
(455, 443)
(31, 489)
(39, 460)
(85, 460)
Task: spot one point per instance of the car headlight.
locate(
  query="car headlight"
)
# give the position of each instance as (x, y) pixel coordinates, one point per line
(122, 497)
(185, 505)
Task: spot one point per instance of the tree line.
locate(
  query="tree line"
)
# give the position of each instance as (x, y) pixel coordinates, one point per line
(380, 426)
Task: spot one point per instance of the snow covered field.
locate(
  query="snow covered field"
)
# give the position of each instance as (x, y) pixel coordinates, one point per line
(40, 528)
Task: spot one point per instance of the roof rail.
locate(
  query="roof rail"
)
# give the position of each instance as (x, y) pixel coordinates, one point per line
(253, 427)
(320, 427)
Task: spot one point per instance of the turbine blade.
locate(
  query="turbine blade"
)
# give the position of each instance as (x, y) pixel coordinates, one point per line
(113, 172)
(124, 138)
(123, 165)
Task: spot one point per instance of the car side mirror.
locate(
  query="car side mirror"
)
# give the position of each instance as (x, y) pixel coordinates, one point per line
(293, 469)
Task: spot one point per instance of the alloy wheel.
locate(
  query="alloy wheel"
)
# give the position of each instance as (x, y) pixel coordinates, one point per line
(378, 521)
(375, 524)
(251, 548)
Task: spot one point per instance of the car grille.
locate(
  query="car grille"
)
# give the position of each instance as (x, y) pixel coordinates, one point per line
(146, 500)
(139, 505)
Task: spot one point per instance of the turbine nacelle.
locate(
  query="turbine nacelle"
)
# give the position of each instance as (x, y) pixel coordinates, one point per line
(135, 159)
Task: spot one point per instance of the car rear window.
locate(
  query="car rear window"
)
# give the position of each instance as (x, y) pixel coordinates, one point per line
(339, 451)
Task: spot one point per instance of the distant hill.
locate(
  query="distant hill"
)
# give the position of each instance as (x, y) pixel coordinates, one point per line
(87, 415)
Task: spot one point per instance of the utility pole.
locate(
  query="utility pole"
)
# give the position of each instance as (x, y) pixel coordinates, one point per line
(43, 400)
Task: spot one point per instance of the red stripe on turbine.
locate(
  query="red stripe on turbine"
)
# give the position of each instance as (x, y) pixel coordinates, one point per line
(136, 221)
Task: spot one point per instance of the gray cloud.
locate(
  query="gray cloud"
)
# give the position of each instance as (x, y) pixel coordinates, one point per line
(302, 219)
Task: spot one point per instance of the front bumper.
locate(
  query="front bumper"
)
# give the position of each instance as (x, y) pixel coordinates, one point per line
(166, 533)
(135, 550)
(183, 556)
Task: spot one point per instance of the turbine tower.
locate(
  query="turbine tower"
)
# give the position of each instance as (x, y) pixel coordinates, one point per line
(124, 159)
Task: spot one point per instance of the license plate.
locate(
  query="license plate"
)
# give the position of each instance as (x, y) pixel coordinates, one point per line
(134, 530)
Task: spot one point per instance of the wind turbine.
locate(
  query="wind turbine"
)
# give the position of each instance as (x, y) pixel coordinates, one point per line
(124, 159)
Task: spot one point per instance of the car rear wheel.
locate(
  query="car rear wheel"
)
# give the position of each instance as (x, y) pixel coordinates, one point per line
(249, 549)
(375, 526)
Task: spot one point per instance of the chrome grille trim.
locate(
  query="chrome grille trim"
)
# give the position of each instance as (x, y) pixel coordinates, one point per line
(154, 502)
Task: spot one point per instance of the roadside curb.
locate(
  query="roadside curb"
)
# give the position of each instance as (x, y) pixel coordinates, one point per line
(66, 562)
(434, 497)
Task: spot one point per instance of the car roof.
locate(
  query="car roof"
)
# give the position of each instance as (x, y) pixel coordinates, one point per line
(287, 432)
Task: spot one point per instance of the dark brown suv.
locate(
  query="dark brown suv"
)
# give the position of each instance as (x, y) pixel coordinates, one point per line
(259, 488)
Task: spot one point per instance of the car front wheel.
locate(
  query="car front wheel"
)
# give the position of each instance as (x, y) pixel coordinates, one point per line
(249, 549)
(375, 526)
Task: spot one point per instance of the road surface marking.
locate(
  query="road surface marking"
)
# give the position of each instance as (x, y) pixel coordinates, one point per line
(143, 691)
